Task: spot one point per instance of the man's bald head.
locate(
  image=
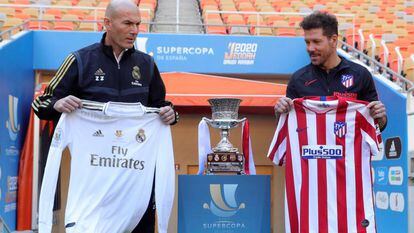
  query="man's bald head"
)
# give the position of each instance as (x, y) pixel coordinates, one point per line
(116, 6)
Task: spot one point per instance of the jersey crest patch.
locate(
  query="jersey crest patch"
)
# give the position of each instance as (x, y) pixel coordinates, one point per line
(347, 80)
(136, 75)
(340, 128)
(140, 136)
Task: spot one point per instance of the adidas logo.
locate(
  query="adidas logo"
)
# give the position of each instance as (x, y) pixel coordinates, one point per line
(99, 72)
(98, 133)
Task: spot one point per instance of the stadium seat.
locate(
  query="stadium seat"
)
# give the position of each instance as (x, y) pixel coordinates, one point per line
(11, 22)
(409, 68)
(9, 12)
(285, 32)
(83, 26)
(64, 26)
(216, 30)
(264, 31)
(35, 25)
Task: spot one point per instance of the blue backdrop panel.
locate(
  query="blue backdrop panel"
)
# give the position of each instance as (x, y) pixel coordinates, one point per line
(390, 169)
(16, 95)
(187, 53)
(230, 204)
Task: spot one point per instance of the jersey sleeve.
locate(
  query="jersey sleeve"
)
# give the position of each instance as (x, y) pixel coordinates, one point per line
(47, 192)
(61, 85)
(370, 131)
(277, 149)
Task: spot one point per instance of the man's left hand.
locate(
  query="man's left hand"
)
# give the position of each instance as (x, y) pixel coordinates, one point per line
(167, 115)
(377, 111)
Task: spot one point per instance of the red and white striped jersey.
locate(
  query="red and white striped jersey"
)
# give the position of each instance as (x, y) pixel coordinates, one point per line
(325, 144)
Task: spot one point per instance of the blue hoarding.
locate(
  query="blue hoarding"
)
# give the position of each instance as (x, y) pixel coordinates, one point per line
(390, 167)
(16, 94)
(218, 204)
(187, 53)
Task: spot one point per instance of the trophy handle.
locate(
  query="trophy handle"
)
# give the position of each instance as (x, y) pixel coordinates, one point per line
(209, 121)
(241, 120)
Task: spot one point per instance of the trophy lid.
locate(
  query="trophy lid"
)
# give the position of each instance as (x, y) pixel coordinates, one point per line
(224, 108)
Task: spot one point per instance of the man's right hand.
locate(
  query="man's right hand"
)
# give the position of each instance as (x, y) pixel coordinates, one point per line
(68, 104)
(283, 105)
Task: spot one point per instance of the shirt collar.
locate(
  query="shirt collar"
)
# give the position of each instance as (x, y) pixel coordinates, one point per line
(107, 49)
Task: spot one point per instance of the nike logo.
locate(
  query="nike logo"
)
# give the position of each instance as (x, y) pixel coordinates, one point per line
(307, 83)
(301, 129)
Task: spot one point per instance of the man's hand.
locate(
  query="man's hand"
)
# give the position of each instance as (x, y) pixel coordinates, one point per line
(68, 104)
(377, 111)
(167, 115)
(283, 105)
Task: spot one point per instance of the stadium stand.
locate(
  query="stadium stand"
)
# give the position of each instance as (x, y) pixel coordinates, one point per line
(380, 29)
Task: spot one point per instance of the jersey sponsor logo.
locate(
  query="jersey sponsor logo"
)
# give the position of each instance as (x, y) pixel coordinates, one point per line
(223, 200)
(99, 75)
(348, 95)
(12, 124)
(347, 80)
(322, 151)
(140, 137)
(308, 83)
(340, 128)
(118, 159)
(98, 133)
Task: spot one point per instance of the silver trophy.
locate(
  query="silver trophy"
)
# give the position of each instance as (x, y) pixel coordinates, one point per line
(225, 158)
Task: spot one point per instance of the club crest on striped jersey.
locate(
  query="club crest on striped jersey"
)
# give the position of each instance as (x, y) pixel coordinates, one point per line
(347, 80)
(340, 128)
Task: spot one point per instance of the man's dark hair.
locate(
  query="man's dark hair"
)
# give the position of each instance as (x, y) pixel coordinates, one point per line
(324, 20)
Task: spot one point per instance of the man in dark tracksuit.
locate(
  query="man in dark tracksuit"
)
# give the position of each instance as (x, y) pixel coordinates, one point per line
(111, 70)
(329, 74)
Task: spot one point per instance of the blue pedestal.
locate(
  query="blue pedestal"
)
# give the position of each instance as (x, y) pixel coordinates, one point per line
(223, 204)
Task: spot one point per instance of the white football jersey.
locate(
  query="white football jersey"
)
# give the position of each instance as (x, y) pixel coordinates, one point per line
(113, 162)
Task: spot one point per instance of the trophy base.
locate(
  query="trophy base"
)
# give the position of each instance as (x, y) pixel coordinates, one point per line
(225, 163)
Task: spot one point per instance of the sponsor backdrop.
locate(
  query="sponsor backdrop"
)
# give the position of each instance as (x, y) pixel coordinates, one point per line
(16, 94)
(390, 168)
(188, 53)
(216, 204)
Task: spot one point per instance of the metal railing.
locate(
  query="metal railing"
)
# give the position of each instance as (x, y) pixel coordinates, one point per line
(377, 67)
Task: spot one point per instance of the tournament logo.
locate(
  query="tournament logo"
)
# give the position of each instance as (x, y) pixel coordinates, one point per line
(118, 133)
(340, 128)
(347, 80)
(140, 136)
(240, 54)
(223, 206)
(99, 75)
(12, 124)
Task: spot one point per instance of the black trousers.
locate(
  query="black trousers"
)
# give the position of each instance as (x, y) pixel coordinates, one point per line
(147, 223)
